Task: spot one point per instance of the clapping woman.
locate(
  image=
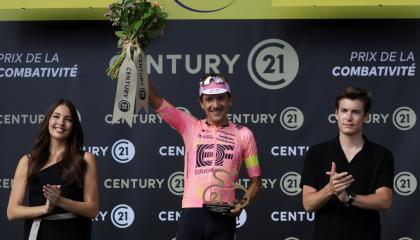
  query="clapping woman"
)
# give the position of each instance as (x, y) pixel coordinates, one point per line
(60, 178)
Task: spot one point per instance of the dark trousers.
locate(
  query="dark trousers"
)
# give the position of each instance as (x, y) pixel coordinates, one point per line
(202, 224)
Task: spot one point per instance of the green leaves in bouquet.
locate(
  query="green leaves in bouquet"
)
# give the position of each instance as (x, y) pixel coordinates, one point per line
(139, 22)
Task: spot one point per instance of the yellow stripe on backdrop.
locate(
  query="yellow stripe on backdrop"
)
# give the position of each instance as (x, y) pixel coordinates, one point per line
(220, 9)
(337, 3)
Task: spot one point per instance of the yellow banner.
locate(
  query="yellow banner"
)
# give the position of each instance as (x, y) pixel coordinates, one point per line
(337, 3)
(217, 9)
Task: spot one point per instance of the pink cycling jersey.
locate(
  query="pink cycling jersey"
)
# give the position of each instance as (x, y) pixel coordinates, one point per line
(208, 148)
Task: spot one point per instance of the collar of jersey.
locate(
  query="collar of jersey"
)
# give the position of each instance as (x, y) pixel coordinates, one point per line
(208, 124)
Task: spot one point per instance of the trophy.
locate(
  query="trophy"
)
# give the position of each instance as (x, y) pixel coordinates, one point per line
(139, 22)
(221, 197)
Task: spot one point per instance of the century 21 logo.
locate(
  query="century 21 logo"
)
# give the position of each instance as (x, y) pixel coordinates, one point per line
(204, 6)
(273, 64)
(123, 151)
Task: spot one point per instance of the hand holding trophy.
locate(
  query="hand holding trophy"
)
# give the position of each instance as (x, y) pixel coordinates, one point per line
(221, 197)
(139, 22)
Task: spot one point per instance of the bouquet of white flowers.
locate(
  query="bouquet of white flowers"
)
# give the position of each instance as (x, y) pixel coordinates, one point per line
(139, 22)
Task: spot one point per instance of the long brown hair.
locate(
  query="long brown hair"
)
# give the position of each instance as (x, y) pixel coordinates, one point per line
(72, 167)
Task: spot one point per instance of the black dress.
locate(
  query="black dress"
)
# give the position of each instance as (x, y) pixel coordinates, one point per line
(78, 228)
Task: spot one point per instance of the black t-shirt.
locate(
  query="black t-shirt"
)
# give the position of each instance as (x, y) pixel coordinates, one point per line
(372, 168)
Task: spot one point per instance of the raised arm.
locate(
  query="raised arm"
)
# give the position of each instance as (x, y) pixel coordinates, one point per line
(154, 99)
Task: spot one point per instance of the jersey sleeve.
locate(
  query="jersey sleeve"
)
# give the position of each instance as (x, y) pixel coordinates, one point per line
(250, 154)
(175, 118)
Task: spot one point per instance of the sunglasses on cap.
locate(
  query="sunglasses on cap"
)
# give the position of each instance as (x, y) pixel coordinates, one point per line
(216, 79)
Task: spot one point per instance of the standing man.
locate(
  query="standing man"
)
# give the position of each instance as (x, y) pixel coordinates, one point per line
(210, 143)
(348, 180)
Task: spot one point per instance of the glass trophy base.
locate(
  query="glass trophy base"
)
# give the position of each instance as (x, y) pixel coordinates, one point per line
(223, 208)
